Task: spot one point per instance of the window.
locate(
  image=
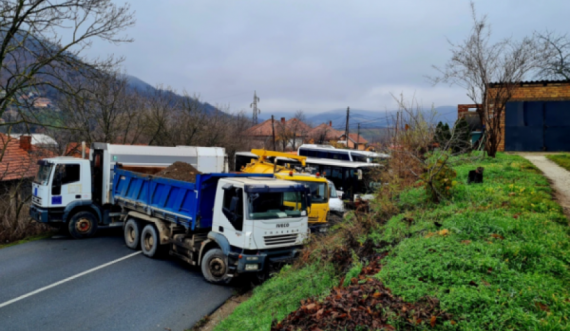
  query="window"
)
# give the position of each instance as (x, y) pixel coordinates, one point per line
(318, 191)
(44, 172)
(233, 207)
(359, 157)
(271, 205)
(67, 173)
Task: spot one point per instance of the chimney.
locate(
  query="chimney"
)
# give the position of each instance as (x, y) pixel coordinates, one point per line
(282, 120)
(330, 123)
(26, 143)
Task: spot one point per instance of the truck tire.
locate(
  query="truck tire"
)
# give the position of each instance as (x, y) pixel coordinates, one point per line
(82, 225)
(215, 267)
(132, 234)
(150, 241)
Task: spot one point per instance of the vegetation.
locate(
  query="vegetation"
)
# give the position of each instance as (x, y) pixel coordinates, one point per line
(562, 160)
(279, 296)
(495, 255)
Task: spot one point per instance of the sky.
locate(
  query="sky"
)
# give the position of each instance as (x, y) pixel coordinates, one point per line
(316, 55)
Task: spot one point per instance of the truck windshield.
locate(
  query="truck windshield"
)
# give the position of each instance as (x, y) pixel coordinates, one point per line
(269, 205)
(42, 176)
(318, 191)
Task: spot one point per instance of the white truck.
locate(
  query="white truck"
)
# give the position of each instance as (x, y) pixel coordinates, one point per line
(228, 224)
(75, 193)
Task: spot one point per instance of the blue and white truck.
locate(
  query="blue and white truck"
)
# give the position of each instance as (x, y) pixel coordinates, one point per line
(228, 224)
(75, 194)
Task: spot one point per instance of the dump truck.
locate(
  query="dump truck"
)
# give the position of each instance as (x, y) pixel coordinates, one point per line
(318, 185)
(227, 224)
(75, 194)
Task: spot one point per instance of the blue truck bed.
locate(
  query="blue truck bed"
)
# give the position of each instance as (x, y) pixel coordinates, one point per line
(185, 203)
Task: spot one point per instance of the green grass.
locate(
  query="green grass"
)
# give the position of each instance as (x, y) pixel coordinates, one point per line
(279, 296)
(562, 160)
(505, 262)
(28, 239)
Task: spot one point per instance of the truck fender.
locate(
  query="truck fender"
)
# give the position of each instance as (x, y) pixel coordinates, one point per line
(163, 230)
(217, 238)
(75, 204)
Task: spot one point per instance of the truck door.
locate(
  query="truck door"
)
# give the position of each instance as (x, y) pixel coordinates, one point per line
(231, 223)
(66, 184)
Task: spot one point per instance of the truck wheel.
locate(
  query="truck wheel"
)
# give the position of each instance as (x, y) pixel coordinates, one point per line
(132, 232)
(215, 267)
(150, 242)
(82, 225)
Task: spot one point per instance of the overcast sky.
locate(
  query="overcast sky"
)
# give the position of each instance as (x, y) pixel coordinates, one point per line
(313, 55)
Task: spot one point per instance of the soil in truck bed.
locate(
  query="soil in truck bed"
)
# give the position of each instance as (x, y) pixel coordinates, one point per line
(180, 171)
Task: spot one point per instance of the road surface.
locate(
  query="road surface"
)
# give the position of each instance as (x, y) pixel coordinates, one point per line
(99, 284)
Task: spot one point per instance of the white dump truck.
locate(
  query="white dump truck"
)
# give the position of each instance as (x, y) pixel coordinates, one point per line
(75, 193)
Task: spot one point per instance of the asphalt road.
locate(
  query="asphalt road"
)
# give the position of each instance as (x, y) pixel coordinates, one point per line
(99, 284)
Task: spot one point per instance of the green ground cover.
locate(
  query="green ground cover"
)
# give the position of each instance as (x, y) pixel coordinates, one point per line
(496, 255)
(562, 160)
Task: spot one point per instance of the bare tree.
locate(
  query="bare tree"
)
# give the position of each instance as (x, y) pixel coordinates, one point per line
(477, 62)
(42, 43)
(557, 62)
(105, 111)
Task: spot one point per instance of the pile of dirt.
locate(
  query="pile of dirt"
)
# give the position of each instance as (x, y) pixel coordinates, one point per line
(180, 171)
(366, 303)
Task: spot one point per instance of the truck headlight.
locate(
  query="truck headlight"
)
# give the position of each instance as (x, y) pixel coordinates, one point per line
(251, 267)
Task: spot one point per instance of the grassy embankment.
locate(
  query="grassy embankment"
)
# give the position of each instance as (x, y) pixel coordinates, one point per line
(496, 255)
(562, 160)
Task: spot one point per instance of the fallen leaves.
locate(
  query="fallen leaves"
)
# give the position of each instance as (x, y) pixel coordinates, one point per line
(367, 304)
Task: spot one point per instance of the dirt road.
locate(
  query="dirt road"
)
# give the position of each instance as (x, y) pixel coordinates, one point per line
(559, 177)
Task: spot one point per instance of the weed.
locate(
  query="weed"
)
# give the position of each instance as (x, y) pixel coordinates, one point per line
(562, 160)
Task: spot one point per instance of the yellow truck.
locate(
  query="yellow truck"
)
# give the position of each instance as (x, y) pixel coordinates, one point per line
(319, 210)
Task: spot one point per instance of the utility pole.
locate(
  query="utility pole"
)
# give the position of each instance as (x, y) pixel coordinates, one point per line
(273, 132)
(346, 131)
(358, 137)
(256, 110)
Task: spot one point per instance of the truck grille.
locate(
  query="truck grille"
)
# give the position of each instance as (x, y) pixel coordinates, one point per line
(313, 219)
(36, 200)
(280, 240)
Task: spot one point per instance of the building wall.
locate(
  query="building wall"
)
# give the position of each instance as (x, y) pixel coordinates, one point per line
(554, 91)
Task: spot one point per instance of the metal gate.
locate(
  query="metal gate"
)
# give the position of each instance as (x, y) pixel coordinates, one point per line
(537, 126)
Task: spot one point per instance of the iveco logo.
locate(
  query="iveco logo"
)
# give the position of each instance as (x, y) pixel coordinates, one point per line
(283, 225)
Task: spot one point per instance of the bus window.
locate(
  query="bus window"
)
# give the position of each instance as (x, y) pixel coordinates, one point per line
(360, 157)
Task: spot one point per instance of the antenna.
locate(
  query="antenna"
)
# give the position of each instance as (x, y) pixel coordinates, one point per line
(255, 109)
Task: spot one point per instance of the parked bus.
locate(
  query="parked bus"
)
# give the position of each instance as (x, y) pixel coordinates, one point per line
(330, 152)
(351, 179)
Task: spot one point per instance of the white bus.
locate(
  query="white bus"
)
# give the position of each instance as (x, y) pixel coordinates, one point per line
(351, 179)
(330, 152)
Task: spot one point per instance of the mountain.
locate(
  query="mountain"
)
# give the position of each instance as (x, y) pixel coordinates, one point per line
(146, 89)
(367, 118)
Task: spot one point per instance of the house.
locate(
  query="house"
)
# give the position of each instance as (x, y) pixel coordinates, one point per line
(324, 133)
(289, 134)
(355, 141)
(20, 158)
(536, 118)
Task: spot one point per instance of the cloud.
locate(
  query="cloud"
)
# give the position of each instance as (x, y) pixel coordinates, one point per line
(313, 55)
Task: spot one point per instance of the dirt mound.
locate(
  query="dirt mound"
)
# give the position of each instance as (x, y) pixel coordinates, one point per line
(180, 171)
(366, 303)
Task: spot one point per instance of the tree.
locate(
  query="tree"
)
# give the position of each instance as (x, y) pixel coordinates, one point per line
(462, 134)
(477, 62)
(557, 62)
(107, 110)
(42, 43)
